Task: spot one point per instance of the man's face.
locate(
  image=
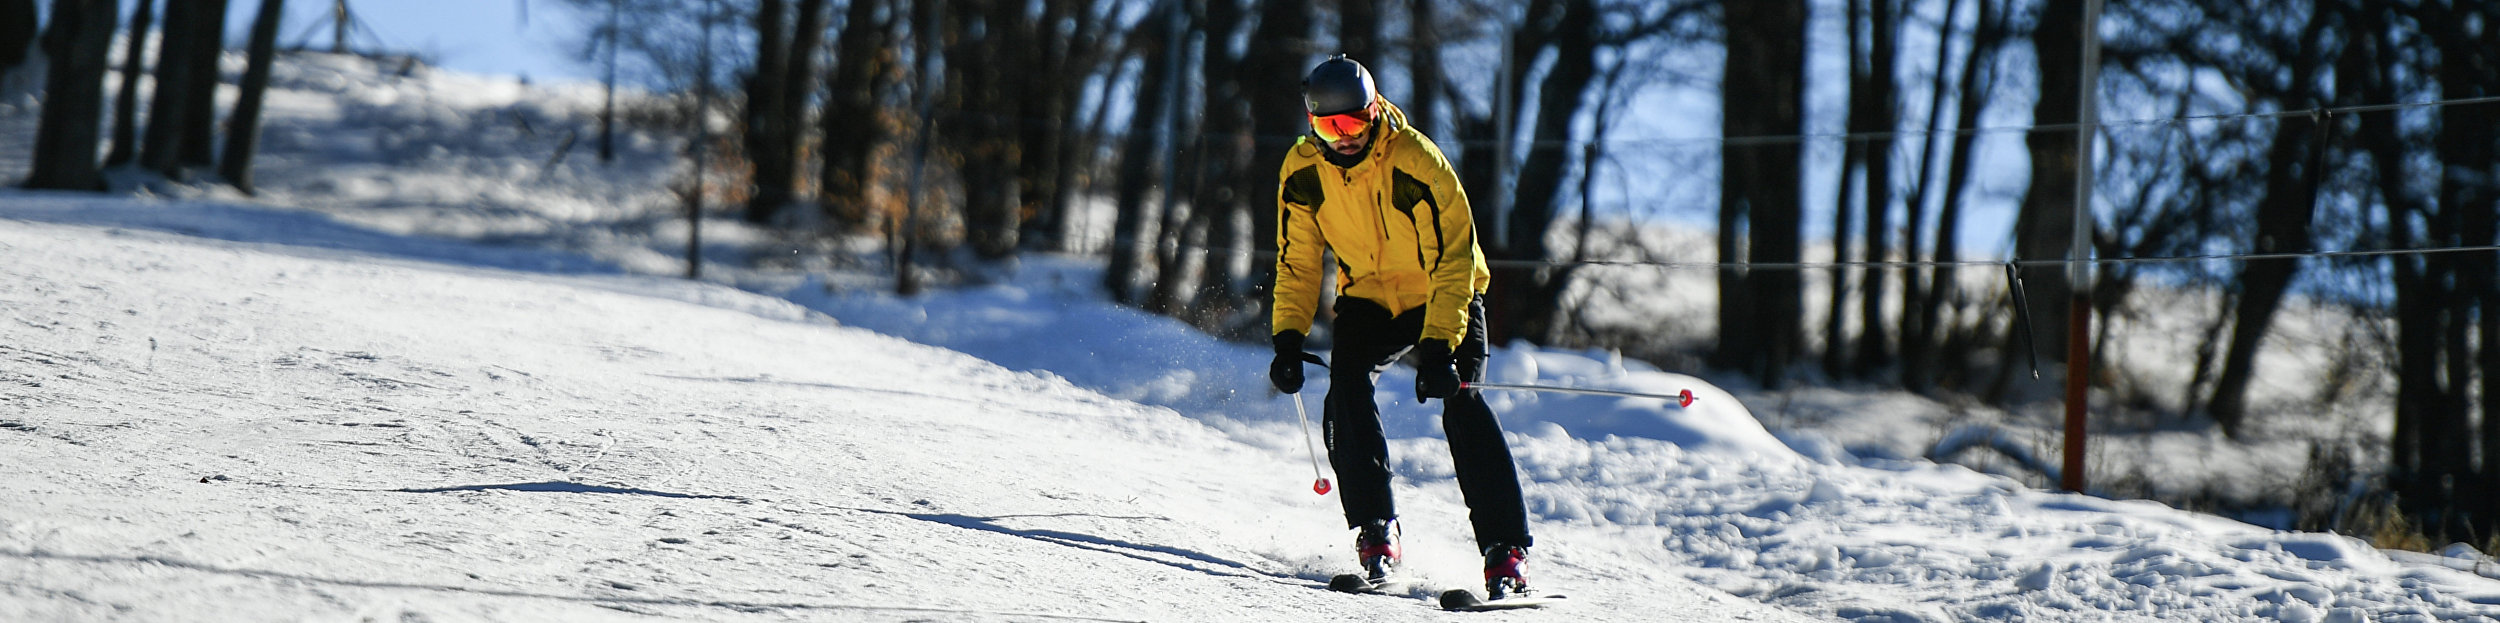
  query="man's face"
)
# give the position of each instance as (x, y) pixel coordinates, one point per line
(1347, 133)
(1352, 144)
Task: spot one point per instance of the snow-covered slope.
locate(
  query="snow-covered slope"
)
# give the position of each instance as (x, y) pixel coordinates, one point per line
(202, 430)
(329, 406)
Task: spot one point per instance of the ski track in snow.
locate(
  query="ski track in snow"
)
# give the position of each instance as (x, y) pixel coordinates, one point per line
(212, 410)
(352, 437)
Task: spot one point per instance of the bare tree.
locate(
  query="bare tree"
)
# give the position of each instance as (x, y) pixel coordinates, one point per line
(125, 107)
(2285, 214)
(1916, 325)
(190, 35)
(243, 126)
(1424, 63)
(610, 41)
(984, 36)
(1862, 122)
(1931, 361)
(2469, 67)
(1541, 178)
(1176, 234)
(1138, 155)
(1047, 112)
(766, 137)
(1227, 147)
(1284, 49)
(198, 147)
(1759, 207)
(78, 42)
(2044, 230)
(1358, 30)
(17, 32)
(1881, 97)
(866, 70)
(778, 92)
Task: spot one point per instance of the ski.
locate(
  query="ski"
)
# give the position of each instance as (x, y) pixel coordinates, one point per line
(1463, 600)
(1357, 584)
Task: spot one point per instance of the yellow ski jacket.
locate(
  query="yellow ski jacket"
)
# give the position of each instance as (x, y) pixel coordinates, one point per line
(1398, 220)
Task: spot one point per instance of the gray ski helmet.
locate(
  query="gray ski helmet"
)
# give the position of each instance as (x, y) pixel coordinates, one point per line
(1337, 86)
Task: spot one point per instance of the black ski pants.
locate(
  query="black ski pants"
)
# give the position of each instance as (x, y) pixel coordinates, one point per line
(1368, 339)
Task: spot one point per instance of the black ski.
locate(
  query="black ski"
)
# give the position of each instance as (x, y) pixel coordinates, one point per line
(1463, 600)
(1357, 584)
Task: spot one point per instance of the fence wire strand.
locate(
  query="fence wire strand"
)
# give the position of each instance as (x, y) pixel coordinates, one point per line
(2315, 113)
(1904, 264)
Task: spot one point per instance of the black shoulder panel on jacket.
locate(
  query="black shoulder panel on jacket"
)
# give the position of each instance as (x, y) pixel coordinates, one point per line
(1302, 187)
(1405, 191)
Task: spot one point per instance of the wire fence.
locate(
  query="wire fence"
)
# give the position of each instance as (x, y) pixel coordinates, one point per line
(1906, 264)
(1611, 146)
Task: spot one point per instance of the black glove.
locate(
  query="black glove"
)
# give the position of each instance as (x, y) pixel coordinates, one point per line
(1436, 376)
(1286, 371)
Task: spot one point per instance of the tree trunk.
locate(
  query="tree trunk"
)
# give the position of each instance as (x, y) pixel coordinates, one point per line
(79, 43)
(765, 99)
(1853, 156)
(1270, 71)
(983, 132)
(199, 103)
(1978, 77)
(2284, 219)
(1076, 150)
(2044, 230)
(243, 128)
(798, 86)
(1227, 149)
(1874, 349)
(854, 119)
(126, 107)
(1917, 330)
(2468, 69)
(926, 24)
(2483, 270)
(1358, 34)
(1762, 95)
(1180, 221)
(160, 145)
(17, 31)
(2418, 287)
(1542, 176)
(1424, 63)
(1138, 159)
(2283, 222)
(1489, 151)
(607, 107)
(1044, 111)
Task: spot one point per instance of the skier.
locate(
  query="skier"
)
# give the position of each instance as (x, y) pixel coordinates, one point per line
(1369, 186)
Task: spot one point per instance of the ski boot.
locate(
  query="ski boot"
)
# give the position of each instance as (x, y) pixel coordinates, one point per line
(1505, 572)
(1377, 544)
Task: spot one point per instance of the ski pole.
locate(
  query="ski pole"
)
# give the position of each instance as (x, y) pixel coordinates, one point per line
(1681, 399)
(1319, 485)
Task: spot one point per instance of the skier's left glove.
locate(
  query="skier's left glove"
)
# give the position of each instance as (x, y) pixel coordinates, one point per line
(1436, 376)
(1285, 372)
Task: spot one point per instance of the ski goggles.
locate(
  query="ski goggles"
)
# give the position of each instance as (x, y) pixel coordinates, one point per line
(1338, 127)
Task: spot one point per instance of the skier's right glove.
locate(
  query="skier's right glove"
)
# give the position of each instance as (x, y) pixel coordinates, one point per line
(1436, 374)
(1286, 371)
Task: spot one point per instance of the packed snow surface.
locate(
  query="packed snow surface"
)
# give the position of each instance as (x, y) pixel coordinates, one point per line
(433, 375)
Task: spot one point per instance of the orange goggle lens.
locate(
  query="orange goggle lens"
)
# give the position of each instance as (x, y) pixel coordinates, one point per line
(1333, 128)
